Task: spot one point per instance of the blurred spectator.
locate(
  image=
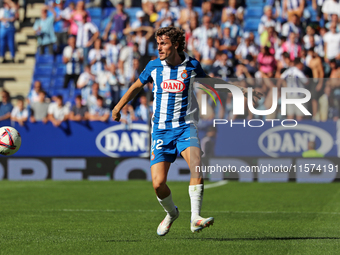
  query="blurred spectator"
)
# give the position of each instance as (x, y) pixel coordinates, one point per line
(92, 98)
(79, 112)
(57, 111)
(317, 5)
(267, 18)
(227, 42)
(175, 7)
(208, 55)
(209, 10)
(324, 111)
(330, 7)
(119, 19)
(141, 37)
(283, 64)
(187, 14)
(73, 59)
(149, 9)
(142, 110)
(85, 81)
(8, 14)
(292, 47)
(269, 37)
(127, 116)
(202, 33)
(334, 19)
(5, 106)
(267, 63)
(61, 25)
(293, 7)
(112, 49)
(105, 90)
(221, 70)
(141, 20)
(190, 42)
(293, 26)
(97, 57)
(314, 62)
(44, 30)
(294, 78)
(86, 36)
(19, 113)
(230, 9)
(33, 95)
(39, 108)
(235, 29)
(245, 48)
(166, 17)
(332, 43)
(310, 32)
(126, 60)
(99, 112)
(77, 18)
(135, 70)
(115, 79)
(318, 48)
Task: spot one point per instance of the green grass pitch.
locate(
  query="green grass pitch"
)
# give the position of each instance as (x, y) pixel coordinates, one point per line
(52, 217)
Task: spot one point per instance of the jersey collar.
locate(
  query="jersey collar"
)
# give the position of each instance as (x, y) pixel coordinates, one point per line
(186, 59)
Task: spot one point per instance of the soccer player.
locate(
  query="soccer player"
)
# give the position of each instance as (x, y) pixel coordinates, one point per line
(173, 126)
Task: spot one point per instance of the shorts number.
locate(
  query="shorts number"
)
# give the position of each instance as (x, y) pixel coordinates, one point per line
(159, 144)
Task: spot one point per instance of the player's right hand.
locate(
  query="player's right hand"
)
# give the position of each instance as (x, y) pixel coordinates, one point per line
(115, 115)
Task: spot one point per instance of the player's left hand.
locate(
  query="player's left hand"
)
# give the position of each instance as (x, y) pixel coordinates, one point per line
(256, 95)
(115, 115)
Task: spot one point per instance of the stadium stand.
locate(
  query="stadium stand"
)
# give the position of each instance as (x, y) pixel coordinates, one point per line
(50, 69)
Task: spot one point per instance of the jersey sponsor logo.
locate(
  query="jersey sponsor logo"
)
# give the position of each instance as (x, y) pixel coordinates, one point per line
(172, 86)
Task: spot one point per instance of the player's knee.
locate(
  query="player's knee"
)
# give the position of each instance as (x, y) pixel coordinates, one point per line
(195, 160)
(158, 184)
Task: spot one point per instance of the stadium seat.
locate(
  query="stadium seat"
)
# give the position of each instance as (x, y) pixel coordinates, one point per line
(59, 58)
(107, 12)
(57, 82)
(60, 91)
(199, 12)
(131, 12)
(255, 2)
(44, 59)
(59, 69)
(43, 69)
(251, 25)
(253, 12)
(45, 82)
(95, 12)
(96, 21)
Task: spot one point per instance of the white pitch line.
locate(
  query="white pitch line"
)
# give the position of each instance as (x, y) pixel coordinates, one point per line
(216, 184)
(187, 211)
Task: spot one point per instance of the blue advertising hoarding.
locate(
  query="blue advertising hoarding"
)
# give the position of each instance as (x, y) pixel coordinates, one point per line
(112, 139)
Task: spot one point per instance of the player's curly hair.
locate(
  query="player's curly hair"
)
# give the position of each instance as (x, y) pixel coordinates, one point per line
(175, 34)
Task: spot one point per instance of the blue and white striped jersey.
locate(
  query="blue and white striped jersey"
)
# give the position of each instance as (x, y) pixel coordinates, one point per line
(174, 101)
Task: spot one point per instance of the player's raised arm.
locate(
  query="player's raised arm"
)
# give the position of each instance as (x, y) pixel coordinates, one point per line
(128, 96)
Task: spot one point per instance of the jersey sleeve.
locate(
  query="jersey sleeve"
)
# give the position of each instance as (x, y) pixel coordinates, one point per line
(145, 76)
(199, 70)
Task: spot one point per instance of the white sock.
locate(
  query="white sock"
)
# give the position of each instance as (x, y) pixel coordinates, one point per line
(196, 198)
(168, 205)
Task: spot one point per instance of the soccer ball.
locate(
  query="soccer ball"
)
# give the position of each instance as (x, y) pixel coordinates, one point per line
(10, 141)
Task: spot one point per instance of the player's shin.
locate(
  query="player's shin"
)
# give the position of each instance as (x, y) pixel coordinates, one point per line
(168, 205)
